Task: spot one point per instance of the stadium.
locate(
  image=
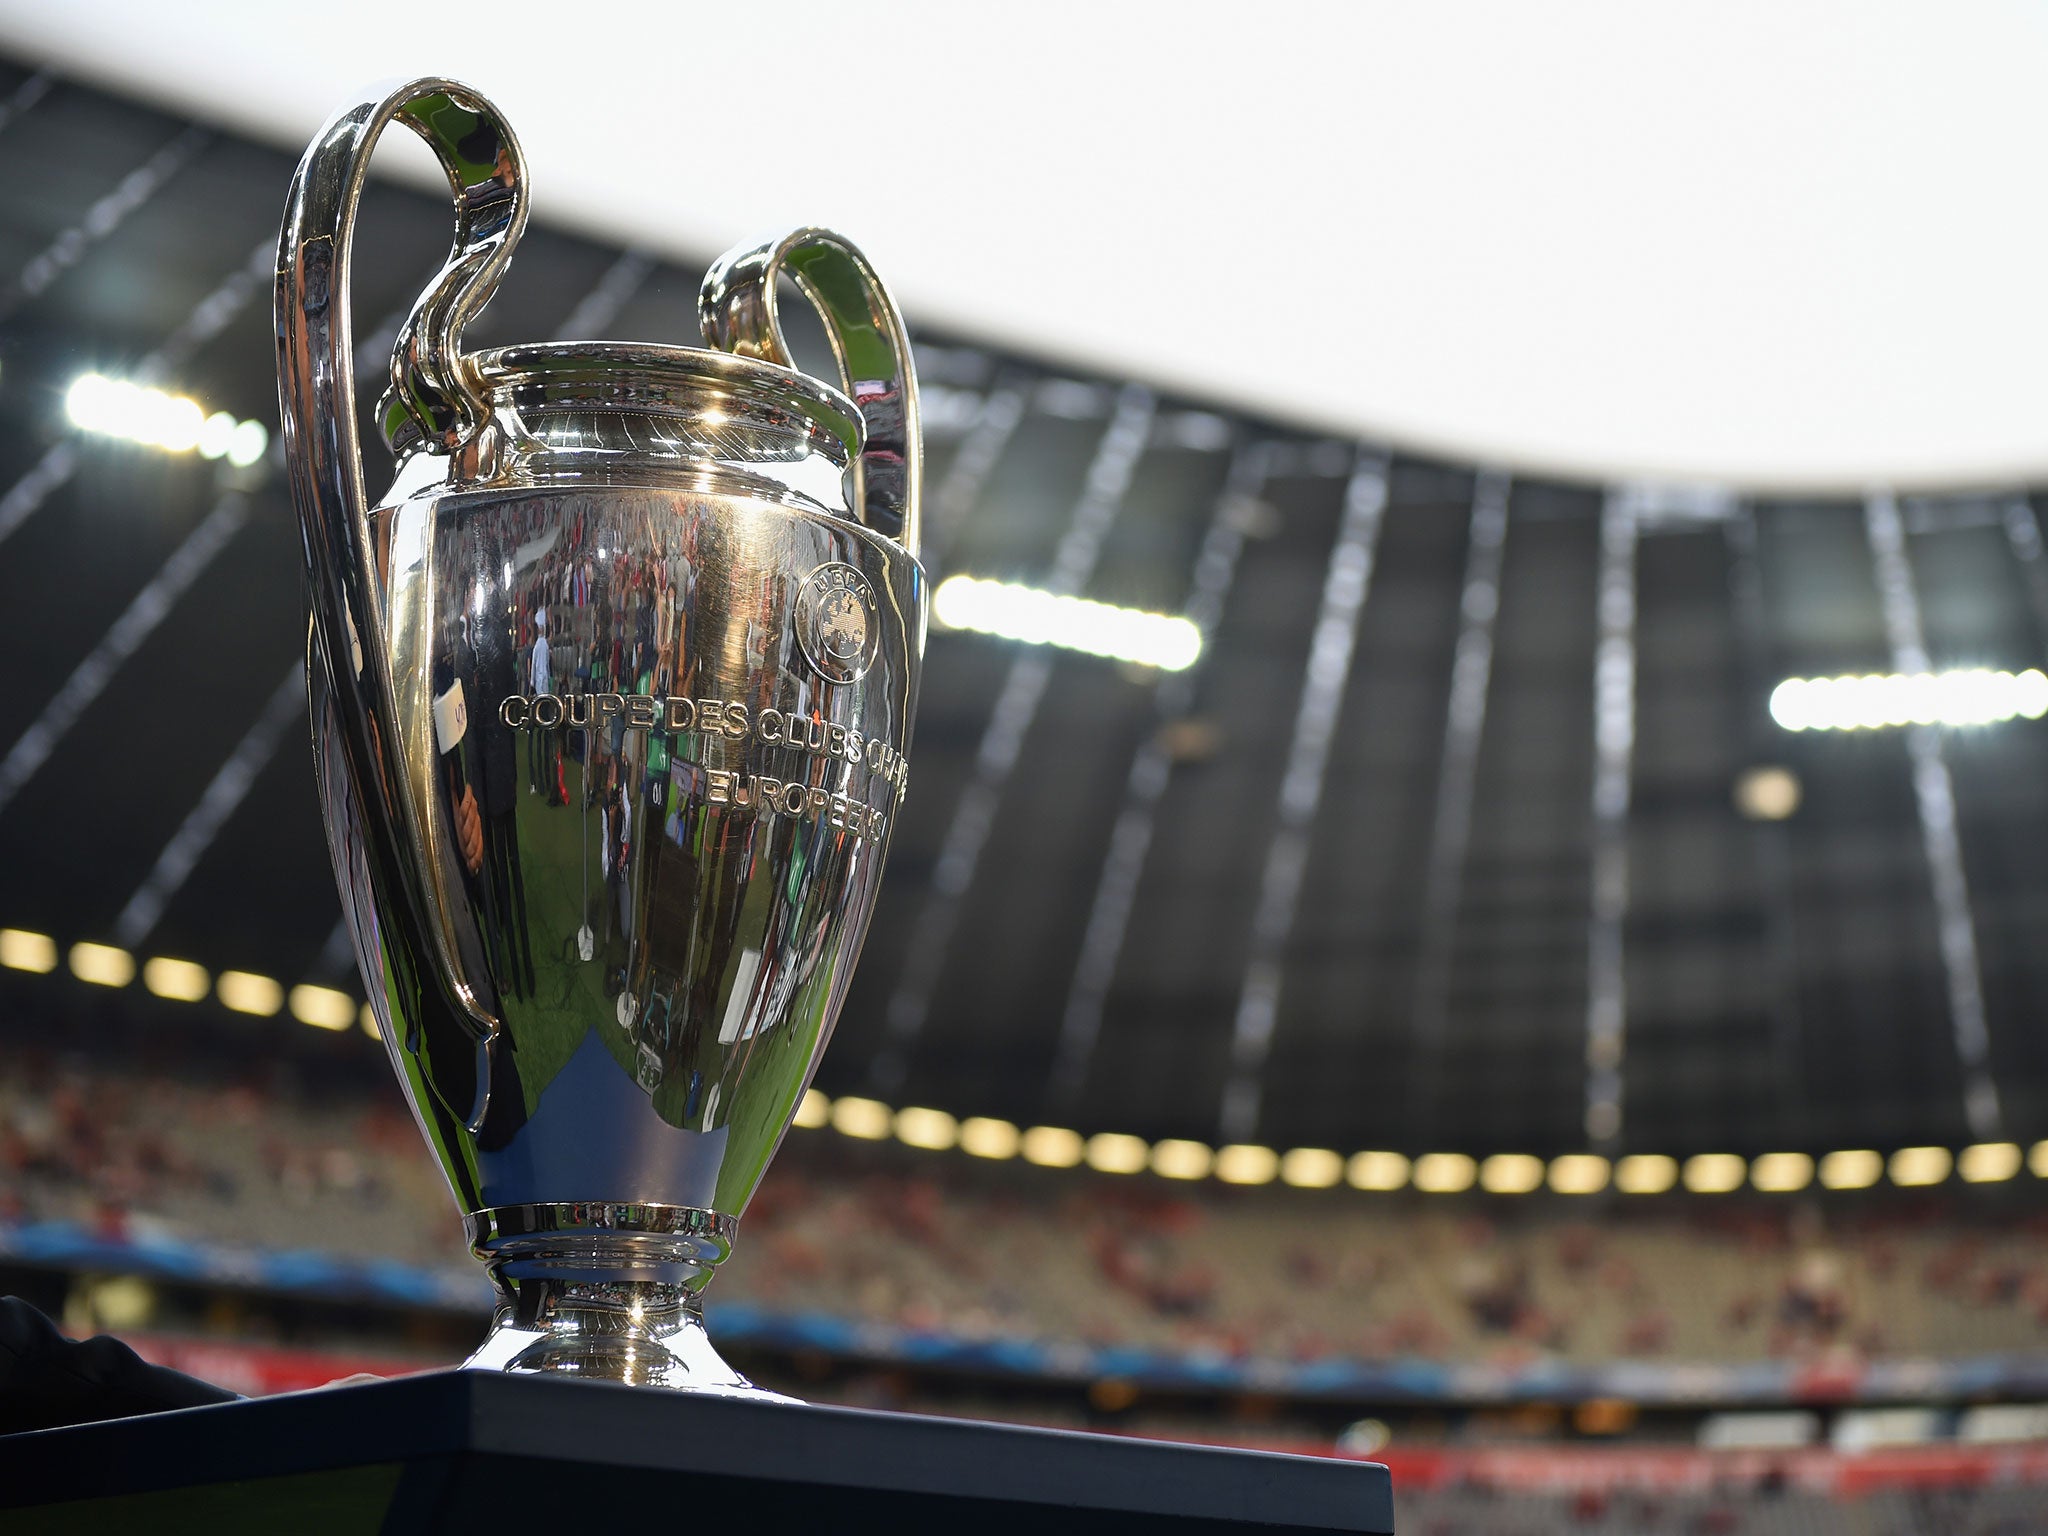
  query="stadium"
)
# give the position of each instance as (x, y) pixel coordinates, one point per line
(1533, 981)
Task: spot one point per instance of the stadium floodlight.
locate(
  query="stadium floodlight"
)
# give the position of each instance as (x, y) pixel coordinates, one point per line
(103, 965)
(1443, 1173)
(1377, 1170)
(249, 992)
(1990, 1162)
(930, 1130)
(1916, 1167)
(985, 1136)
(1244, 1163)
(1714, 1173)
(1645, 1173)
(1857, 1169)
(863, 1119)
(1178, 1159)
(1511, 1173)
(1580, 1173)
(182, 981)
(1974, 696)
(1035, 617)
(1781, 1173)
(22, 950)
(1311, 1168)
(368, 1019)
(1113, 1152)
(1053, 1146)
(156, 418)
(813, 1110)
(321, 1007)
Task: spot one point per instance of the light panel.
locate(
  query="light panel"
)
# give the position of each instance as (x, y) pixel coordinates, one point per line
(1990, 1162)
(1580, 1173)
(1969, 697)
(249, 992)
(1781, 1173)
(1714, 1173)
(984, 1136)
(181, 981)
(1377, 1170)
(1511, 1173)
(22, 950)
(1243, 1163)
(1854, 1169)
(155, 418)
(813, 1111)
(102, 964)
(1311, 1168)
(1645, 1173)
(1443, 1173)
(1177, 1159)
(322, 1007)
(1053, 1146)
(865, 1119)
(1036, 617)
(1916, 1167)
(1112, 1152)
(933, 1130)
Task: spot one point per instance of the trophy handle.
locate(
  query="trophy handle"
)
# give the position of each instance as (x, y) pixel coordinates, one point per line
(737, 307)
(434, 401)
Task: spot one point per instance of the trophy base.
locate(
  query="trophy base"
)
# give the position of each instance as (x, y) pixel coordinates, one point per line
(636, 1334)
(606, 1292)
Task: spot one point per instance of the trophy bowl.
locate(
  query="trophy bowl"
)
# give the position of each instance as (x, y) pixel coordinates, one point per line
(611, 700)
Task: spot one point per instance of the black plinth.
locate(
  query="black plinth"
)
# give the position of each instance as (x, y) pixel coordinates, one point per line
(476, 1451)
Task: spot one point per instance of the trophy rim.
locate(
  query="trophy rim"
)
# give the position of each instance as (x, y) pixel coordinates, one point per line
(658, 377)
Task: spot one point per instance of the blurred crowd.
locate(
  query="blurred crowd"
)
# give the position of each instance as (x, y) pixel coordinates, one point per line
(943, 1244)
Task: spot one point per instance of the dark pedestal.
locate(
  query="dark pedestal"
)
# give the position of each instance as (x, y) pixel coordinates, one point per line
(476, 1451)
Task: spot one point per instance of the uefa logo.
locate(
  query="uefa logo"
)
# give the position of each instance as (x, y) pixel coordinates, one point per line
(836, 622)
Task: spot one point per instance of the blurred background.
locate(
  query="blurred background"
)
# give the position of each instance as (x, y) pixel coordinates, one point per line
(1533, 971)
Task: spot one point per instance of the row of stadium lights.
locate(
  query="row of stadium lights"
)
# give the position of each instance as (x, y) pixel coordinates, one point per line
(1505, 1173)
(186, 981)
(1049, 1146)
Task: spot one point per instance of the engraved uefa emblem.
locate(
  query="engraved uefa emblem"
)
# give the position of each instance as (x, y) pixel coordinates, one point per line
(836, 622)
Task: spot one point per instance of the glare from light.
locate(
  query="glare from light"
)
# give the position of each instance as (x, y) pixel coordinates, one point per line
(1036, 617)
(1714, 1173)
(865, 1119)
(1113, 1152)
(1781, 1173)
(1579, 1173)
(1973, 696)
(1510, 1173)
(1443, 1173)
(250, 442)
(1917, 1167)
(1053, 1146)
(156, 418)
(984, 1136)
(249, 992)
(1377, 1170)
(102, 964)
(181, 981)
(21, 950)
(1856, 1169)
(1311, 1168)
(933, 1130)
(813, 1111)
(1177, 1159)
(1645, 1173)
(1244, 1163)
(322, 1007)
(367, 1018)
(1767, 794)
(1990, 1162)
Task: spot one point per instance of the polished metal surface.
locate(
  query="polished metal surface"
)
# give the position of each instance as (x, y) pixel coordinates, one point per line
(611, 698)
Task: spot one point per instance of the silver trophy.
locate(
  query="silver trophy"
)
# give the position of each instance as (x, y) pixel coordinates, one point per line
(611, 698)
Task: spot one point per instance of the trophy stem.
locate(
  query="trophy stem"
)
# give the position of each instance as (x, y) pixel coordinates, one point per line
(606, 1293)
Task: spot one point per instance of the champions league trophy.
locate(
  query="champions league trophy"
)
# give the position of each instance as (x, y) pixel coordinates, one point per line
(611, 695)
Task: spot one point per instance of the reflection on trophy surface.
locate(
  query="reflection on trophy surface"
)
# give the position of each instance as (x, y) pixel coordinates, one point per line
(611, 699)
